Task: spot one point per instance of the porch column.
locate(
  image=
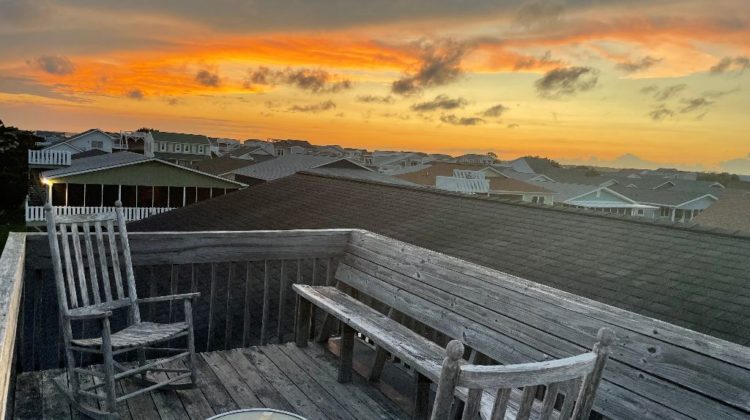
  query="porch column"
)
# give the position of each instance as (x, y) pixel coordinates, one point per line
(673, 212)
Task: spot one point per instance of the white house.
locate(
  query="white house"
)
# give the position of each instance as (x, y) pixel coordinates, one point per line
(180, 148)
(93, 139)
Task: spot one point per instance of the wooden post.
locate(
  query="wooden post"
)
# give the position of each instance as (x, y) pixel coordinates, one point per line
(587, 393)
(109, 367)
(346, 353)
(302, 322)
(265, 316)
(448, 378)
(421, 396)
(190, 340)
(474, 401)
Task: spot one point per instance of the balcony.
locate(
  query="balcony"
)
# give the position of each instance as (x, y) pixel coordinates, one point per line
(245, 321)
(48, 158)
(35, 214)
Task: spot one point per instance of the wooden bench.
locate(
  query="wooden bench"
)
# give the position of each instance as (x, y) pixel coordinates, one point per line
(429, 359)
(656, 370)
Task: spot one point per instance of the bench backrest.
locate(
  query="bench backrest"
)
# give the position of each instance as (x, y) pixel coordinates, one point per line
(656, 370)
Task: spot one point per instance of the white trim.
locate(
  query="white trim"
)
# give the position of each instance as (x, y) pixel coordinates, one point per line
(599, 190)
(339, 160)
(664, 183)
(698, 198)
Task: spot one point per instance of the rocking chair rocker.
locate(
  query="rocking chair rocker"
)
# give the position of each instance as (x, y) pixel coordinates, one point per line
(84, 297)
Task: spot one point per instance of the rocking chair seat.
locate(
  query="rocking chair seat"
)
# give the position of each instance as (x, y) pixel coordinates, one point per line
(140, 334)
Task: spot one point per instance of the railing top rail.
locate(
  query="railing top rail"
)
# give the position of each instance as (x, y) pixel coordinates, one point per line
(11, 280)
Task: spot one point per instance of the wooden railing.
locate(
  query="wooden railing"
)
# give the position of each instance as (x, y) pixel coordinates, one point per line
(49, 158)
(11, 281)
(36, 213)
(244, 278)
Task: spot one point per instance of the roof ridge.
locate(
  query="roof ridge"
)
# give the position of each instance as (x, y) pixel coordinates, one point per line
(583, 212)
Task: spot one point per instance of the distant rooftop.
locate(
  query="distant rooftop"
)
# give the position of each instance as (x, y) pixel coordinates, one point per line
(287, 165)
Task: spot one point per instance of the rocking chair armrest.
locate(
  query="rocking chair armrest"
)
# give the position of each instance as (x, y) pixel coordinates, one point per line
(78, 315)
(182, 296)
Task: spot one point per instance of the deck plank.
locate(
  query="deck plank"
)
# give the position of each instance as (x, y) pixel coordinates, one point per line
(279, 376)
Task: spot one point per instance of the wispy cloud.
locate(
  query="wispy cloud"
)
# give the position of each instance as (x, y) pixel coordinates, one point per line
(665, 93)
(207, 78)
(731, 65)
(661, 113)
(695, 104)
(441, 102)
(374, 99)
(454, 120)
(135, 94)
(314, 108)
(440, 64)
(495, 111)
(566, 81)
(539, 13)
(312, 80)
(638, 65)
(53, 64)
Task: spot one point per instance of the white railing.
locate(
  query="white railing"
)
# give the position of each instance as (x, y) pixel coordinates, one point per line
(465, 173)
(49, 157)
(463, 185)
(36, 213)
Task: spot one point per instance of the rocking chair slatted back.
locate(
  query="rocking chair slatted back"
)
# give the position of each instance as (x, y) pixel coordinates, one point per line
(82, 282)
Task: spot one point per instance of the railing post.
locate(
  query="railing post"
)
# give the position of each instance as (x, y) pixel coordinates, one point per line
(448, 379)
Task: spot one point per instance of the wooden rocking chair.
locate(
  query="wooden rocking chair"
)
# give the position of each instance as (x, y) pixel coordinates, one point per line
(83, 294)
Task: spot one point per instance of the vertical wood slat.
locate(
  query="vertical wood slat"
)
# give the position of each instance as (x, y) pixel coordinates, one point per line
(571, 392)
(211, 298)
(116, 272)
(228, 307)
(501, 404)
(266, 303)
(282, 301)
(314, 282)
(527, 399)
(91, 260)
(103, 261)
(548, 403)
(173, 273)
(83, 288)
(72, 294)
(247, 306)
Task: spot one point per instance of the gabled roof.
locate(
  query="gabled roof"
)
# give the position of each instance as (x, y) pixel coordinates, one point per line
(731, 213)
(283, 166)
(77, 136)
(115, 160)
(695, 279)
(180, 138)
(501, 183)
(663, 197)
(222, 165)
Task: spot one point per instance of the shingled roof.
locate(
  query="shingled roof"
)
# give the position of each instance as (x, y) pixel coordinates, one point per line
(693, 278)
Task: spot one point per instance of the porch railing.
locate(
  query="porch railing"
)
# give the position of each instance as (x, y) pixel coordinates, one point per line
(36, 213)
(49, 158)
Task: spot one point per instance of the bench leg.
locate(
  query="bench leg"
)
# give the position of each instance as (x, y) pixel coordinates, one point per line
(329, 324)
(302, 322)
(346, 353)
(377, 366)
(421, 397)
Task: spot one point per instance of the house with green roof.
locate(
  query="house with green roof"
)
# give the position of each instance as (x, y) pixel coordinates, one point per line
(180, 148)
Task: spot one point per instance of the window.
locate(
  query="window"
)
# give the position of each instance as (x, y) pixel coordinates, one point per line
(110, 195)
(75, 194)
(640, 212)
(203, 193)
(145, 196)
(161, 196)
(129, 196)
(535, 200)
(178, 147)
(58, 194)
(93, 195)
(664, 212)
(162, 147)
(97, 144)
(175, 196)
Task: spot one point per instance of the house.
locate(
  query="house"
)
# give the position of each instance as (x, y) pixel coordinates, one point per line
(600, 199)
(222, 146)
(394, 163)
(330, 150)
(676, 206)
(731, 213)
(287, 165)
(180, 148)
(476, 159)
(292, 147)
(145, 186)
(88, 140)
(498, 184)
(224, 165)
(692, 278)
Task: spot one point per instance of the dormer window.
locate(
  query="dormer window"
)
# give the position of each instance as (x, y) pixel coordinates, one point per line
(178, 147)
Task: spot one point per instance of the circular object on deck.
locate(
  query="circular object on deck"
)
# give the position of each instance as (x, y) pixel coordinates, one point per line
(257, 414)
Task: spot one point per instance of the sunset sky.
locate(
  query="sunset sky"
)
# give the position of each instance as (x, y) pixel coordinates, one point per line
(577, 80)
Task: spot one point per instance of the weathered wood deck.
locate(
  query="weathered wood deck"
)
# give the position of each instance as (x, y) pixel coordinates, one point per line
(280, 376)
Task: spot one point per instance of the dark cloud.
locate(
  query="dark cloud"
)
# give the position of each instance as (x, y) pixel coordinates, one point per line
(440, 64)
(514, 125)
(441, 102)
(731, 65)
(538, 13)
(535, 62)
(566, 81)
(695, 104)
(53, 64)
(206, 78)
(662, 94)
(638, 65)
(313, 80)
(713, 94)
(661, 113)
(134, 94)
(495, 111)
(373, 99)
(454, 120)
(319, 107)
(27, 86)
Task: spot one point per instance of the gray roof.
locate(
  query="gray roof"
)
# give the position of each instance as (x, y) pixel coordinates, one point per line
(667, 197)
(180, 156)
(359, 174)
(693, 278)
(287, 165)
(564, 191)
(180, 138)
(94, 163)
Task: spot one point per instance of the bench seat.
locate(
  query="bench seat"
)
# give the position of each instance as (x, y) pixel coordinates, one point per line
(425, 356)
